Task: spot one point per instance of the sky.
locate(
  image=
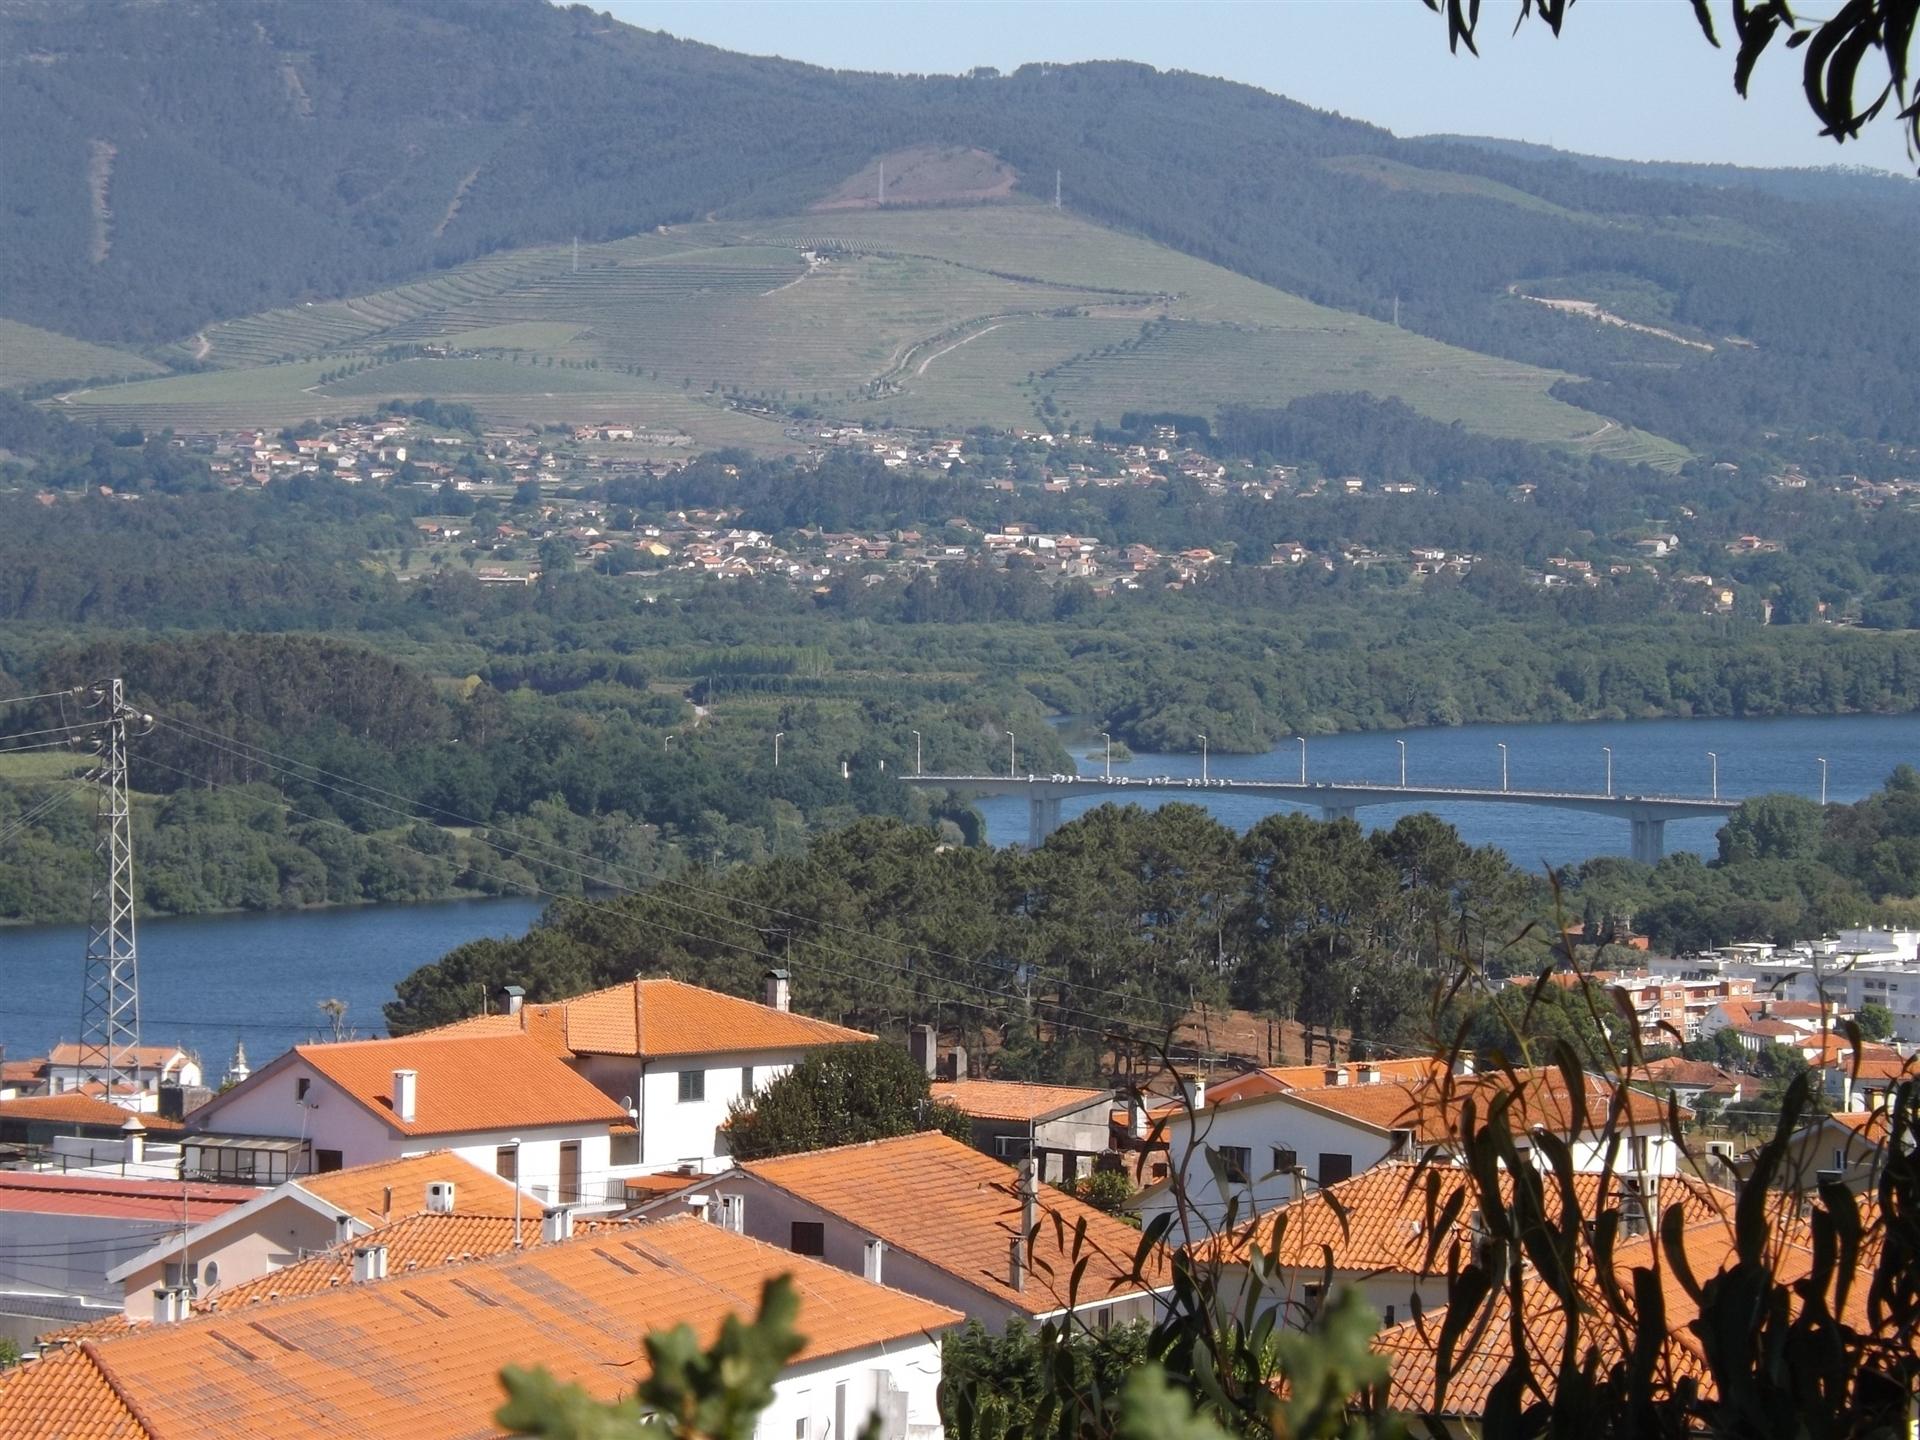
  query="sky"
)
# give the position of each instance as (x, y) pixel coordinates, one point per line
(1628, 78)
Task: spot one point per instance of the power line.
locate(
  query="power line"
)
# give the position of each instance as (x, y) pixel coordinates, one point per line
(49, 695)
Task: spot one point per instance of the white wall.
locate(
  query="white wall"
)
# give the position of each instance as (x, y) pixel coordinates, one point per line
(275, 1236)
(674, 1132)
(57, 1254)
(807, 1401)
(539, 1159)
(1260, 1127)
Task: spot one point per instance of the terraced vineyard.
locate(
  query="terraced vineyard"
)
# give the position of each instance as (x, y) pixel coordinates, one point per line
(32, 356)
(942, 317)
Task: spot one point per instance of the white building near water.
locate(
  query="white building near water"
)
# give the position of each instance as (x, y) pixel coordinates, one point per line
(1847, 971)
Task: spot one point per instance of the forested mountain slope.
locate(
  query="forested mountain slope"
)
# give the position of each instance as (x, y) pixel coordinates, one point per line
(173, 164)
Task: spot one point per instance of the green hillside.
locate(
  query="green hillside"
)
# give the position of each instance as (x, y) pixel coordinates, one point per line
(32, 356)
(338, 149)
(1002, 315)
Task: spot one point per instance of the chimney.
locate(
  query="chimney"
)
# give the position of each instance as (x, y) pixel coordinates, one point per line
(556, 1225)
(512, 997)
(957, 1063)
(1462, 1064)
(924, 1048)
(342, 1229)
(875, 1260)
(777, 990)
(1367, 1074)
(172, 1304)
(406, 1085)
(133, 1136)
(1136, 1115)
(440, 1197)
(369, 1263)
(1335, 1075)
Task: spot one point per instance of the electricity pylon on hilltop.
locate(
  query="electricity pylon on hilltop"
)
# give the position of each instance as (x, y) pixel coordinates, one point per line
(110, 993)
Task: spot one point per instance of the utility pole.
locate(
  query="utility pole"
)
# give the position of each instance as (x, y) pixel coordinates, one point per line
(110, 994)
(1056, 189)
(576, 254)
(883, 182)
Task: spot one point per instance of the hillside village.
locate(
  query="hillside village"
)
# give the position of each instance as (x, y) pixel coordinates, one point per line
(542, 1182)
(535, 490)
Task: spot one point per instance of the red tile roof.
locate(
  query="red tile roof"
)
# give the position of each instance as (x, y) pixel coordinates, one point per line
(1432, 1108)
(379, 1193)
(1276, 1078)
(1013, 1100)
(417, 1356)
(466, 1083)
(73, 1109)
(657, 1017)
(32, 1192)
(956, 1209)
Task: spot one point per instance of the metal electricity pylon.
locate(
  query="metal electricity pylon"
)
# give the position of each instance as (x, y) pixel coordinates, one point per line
(110, 996)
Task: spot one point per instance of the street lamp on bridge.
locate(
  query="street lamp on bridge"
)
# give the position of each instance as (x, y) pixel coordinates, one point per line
(1823, 778)
(1715, 758)
(666, 744)
(1010, 754)
(1303, 758)
(918, 769)
(776, 747)
(1203, 758)
(1608, 750)
(1503, 763)
(1109, 739)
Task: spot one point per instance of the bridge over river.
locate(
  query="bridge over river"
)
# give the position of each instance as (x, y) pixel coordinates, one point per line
(1647, 815)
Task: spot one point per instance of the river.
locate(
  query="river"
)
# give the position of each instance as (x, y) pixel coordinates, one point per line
(1649, 757)
(209, 980)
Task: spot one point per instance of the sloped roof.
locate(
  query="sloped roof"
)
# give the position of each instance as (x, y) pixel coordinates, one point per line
(75, 1109)
(1380, 1221)
(417, 1243)
(467, 1083)
(362, 1191)
(1275, 1078)
(1678, 1070)
(1432, 1108)
(956, 1209)
(38, 1193)
(1014, 1100)
(148, 1057)
(418, 1355)
(659, 1018)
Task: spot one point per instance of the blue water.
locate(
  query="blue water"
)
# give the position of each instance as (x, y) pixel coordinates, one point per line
(1667, 757)
(207, 981)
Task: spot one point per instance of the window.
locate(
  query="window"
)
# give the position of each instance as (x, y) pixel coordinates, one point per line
(1637, 1147)
(300, 1088)
(1237, 1160)
(570, 1173)
(693, 1086)
(327, 1161)
(809, 1238)
(506, 1163)
(1389, 1315)
(1334, 1168)
(1285, 1159)
(1103, 1319)
(746, 1080)
(624, 1148)
(1839, 1159)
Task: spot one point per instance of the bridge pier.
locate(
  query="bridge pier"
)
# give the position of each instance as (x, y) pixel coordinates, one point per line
(1043, 818)
(1337, 812)
(1649, 839)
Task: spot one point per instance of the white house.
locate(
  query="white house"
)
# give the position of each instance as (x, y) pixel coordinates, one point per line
(1274, 1146)
(282, 1226)
(503, 1103)
(936, 1218)
(418, 1355)
(70, 1067)
(674, 1055)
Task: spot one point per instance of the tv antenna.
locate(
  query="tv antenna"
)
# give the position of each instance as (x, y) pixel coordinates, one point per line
(110, 992)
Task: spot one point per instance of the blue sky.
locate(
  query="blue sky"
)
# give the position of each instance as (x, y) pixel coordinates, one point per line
(1630, 78)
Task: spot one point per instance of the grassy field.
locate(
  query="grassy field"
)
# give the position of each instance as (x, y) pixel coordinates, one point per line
(941, 317)
(39, 766)
(32, 356)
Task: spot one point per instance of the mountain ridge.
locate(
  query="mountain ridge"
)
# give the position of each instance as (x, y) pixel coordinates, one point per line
(332, 155)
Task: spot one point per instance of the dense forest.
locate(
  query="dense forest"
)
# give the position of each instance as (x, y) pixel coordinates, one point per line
(1126, 918)
(339, 147)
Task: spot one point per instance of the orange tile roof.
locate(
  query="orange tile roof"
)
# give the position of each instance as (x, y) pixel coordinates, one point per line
(658, 1017)
(1275, 1078)
(74, 1109)
(64, 1396)
(418, 1356)
(149, 1057)
(118, 1323)
(467, 1083)
(1432, 1108)
(375, 1194)
(955, 1209)
(1380, 1220)
(419, 1242)
(1014, 1100)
